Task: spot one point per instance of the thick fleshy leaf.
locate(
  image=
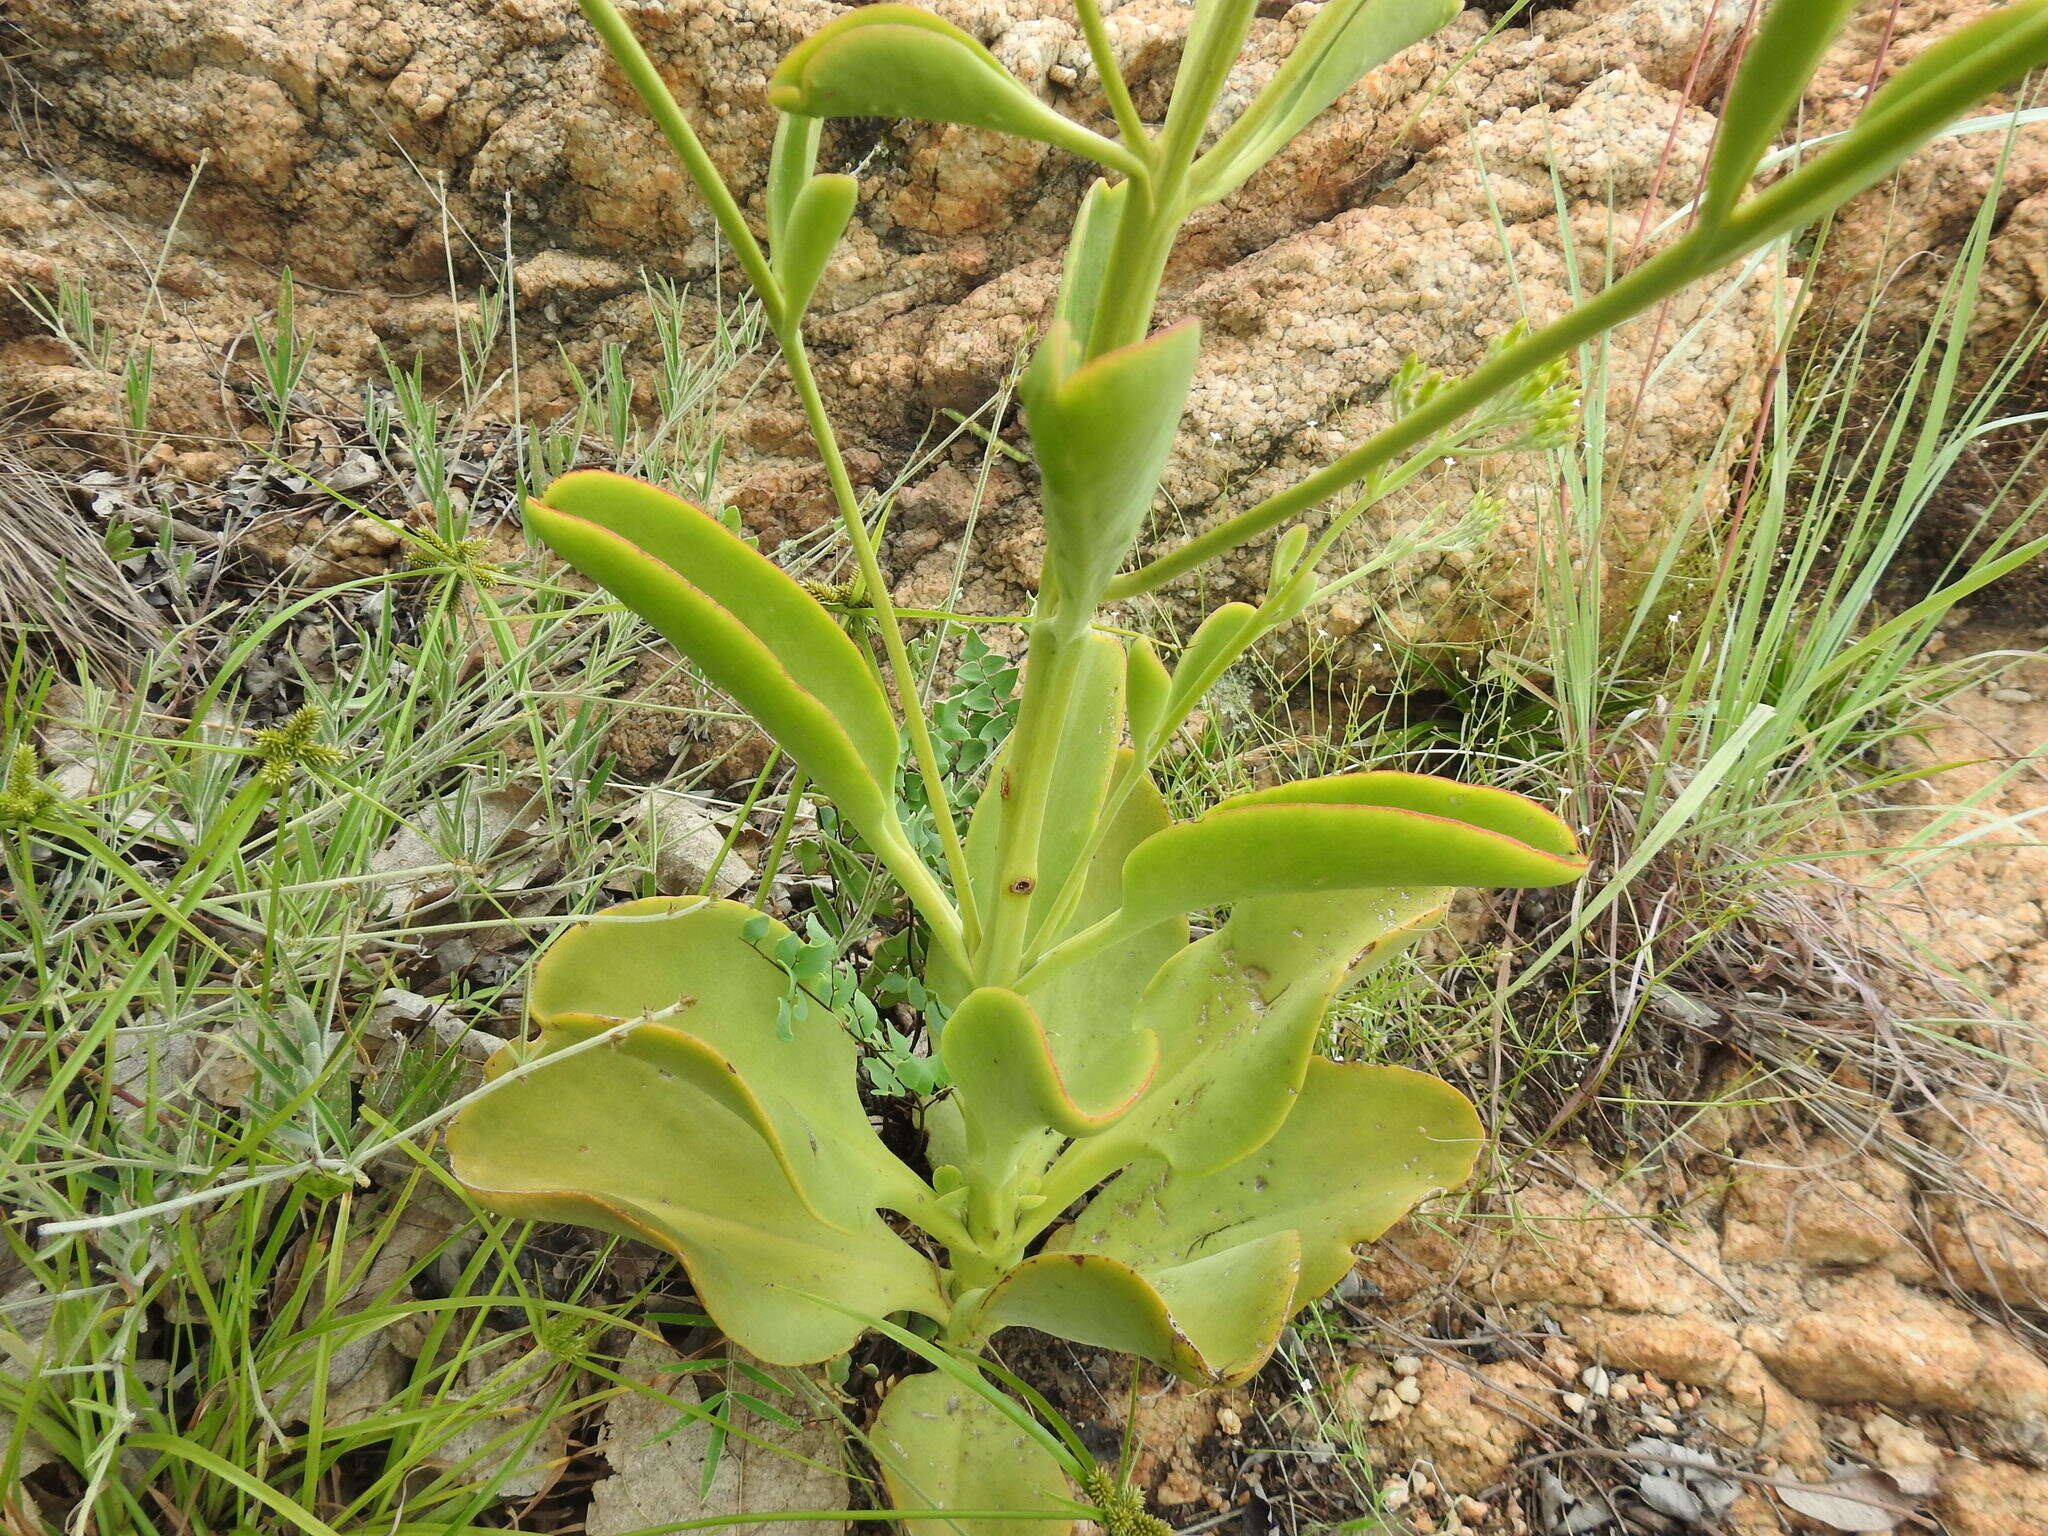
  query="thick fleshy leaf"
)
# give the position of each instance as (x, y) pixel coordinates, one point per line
(615, 1137)
(1347, 39)
(843, 753)
(1212, 1320)
(1088, 256)
(1086, 1010)
(817, 219)
(792, 160)
(1348, 832)
(1089, 1006)
(1084, 756)
(1361, 1147)
(1217, 642)
(687, 960)
(1147, 685)
(1237, 1015)
(1010, 1082)
(941, 1445)
(898, 61)
(805, 640)
(1776, 69)
(1103, 431)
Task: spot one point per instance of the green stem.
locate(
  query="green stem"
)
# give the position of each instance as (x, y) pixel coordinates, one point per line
(1159, 204)
(1649, 284)
(965, 921)
(1083, 1165)
(1137, 262)
(1118, 94)
(1092, 940)
(1024, 782)
(675, 127)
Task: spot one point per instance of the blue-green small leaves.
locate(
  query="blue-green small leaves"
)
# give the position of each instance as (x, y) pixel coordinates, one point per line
(754, 631)
(898, 61)
(1103, 430)
(1347, 39)
(1774, 75)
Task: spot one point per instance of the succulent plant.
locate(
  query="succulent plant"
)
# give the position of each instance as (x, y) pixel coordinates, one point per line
(1140, 1149)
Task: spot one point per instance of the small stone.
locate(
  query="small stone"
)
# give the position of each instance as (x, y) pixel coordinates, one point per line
(1625, 1387)
(1407, 1365)
(1409, 1390)
(1575, 1401)
(1228, 1421)
(1597, 1381)
(2012, 696)
(1474, 1509)
(1395, 1495)
(1660, 1424)
(1384, 1407)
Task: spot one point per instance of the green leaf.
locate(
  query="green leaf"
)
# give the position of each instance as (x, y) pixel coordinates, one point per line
(898, 61)
(1775, 71)
(1347, 39)
(1011, 1085)
(941, 1445)
(1089, 1006)
(617, 1137)
(1212, 1320)
(1103, 431)
(756, 633)
(2012, 41)
(694, 957)
(1348, 832)
(791, 162)
(1237, 1015)
(1085, 755)
(1938, 86)
(1086, 1009)
(1361, 1147)
(1217, 642)
(1088, 256)
(816, 220)
(1146, 687)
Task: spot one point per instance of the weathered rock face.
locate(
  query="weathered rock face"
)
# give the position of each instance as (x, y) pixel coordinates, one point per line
(1894, 252)
(378, 146)
(372, 145)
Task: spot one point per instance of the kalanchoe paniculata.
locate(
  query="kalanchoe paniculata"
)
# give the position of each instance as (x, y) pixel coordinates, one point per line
(1140, 1149)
